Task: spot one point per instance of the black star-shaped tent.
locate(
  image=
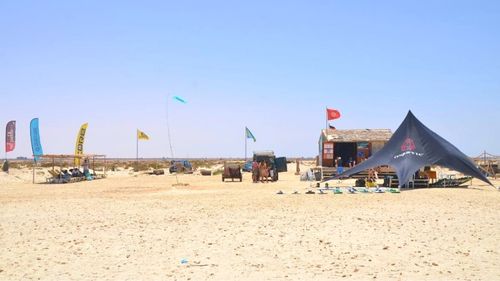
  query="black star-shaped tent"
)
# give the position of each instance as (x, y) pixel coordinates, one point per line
(413, 146)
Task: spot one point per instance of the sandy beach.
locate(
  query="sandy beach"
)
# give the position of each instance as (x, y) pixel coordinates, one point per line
(139, 227)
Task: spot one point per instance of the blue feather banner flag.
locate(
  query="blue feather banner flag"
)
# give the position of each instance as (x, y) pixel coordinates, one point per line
(36, 145)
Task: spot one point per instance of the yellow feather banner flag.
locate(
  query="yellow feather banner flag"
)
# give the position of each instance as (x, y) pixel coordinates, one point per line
(141, 135)
(80, 138)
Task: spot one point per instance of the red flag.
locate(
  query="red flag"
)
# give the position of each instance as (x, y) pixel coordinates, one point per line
(10, 136)
(332, 114)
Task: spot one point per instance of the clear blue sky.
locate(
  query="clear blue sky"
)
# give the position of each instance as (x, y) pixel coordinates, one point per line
(270, 65)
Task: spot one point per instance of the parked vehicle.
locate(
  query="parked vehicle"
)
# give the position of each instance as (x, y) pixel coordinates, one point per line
(180, 166)
(247, 167)
(232, 171)
(276, 164)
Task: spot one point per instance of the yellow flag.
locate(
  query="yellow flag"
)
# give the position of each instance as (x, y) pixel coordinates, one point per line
(79, 143)
(141, 135)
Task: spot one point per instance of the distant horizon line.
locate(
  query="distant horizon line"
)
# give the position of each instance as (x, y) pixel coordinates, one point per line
(20, 158)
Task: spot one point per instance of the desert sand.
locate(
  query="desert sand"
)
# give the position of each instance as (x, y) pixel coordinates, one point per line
(134, 226)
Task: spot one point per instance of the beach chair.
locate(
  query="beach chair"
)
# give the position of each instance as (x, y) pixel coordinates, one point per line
(57, 177)
(53, 177)
(337, 190)
(54, 174)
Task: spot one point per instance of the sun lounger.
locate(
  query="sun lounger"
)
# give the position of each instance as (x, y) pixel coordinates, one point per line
(54, 176)
(57, 177)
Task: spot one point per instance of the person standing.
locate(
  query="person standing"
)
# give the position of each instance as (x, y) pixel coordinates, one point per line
(86, 171)
(5, 166)
(352, 163)
(340, 168)
(264, 172)
(255, 171)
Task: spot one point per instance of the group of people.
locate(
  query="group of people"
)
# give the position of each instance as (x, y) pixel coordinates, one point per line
(339, 164)
(72, 173)
(351, 162)
(261, 171)
(77, 173)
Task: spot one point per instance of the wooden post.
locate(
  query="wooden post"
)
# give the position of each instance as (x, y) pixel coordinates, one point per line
(297, 169)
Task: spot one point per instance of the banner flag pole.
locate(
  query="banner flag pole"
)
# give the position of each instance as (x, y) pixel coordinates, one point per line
(137, 150)
(326, 117)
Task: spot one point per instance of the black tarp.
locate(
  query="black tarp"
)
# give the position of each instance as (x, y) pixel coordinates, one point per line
(413, 146)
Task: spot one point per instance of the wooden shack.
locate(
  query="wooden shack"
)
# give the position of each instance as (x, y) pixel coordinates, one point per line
(357, 145)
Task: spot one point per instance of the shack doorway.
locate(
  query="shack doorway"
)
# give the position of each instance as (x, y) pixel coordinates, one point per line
(346, 151)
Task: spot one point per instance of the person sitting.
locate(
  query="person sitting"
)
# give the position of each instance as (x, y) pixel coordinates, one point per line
(88, 175)
(371, 183)
(372, 174)
(65, 175)
(74, 172)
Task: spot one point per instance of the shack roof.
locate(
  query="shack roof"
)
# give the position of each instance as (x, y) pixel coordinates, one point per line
(356, 135)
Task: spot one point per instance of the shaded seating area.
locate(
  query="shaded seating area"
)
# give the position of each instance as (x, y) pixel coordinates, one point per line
(63, 168)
